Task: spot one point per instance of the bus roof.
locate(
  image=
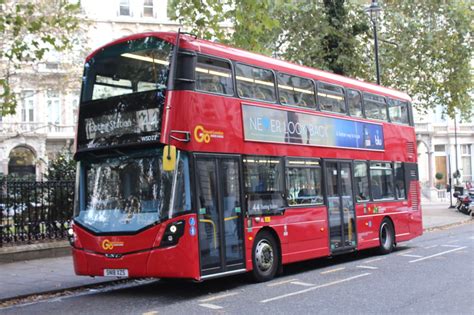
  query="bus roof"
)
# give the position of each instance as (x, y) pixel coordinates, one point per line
(239, 55)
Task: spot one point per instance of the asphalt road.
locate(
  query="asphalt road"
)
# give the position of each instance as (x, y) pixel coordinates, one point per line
(433, 274)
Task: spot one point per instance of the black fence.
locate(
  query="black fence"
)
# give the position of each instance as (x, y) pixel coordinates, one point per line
(34, 211)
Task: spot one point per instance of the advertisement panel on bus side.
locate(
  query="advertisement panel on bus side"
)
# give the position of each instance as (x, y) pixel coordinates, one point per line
(281, 126)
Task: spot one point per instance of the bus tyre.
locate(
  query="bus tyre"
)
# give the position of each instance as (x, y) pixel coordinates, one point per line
(265, 257)
(386, 236)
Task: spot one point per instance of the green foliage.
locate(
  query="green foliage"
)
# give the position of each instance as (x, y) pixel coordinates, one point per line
(433, 53)
(426, 47)
(28, 30)
(439, 176)
(332, 38)
(228, 21)
(63, 167)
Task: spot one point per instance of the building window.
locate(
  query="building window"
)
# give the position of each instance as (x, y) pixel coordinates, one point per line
(53, 108)
(214, 76)
(466, 162)
(124, 8)
(440, 148)
(263, 178)
(28, 105)
(303, 182)
(148, 8)
(381, 181)
(361, 181)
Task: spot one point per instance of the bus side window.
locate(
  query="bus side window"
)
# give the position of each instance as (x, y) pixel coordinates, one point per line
(303, 182)
(255, 83)
(296, 91)
(354, 100)
(375, 107)
(214, 75)
(399, 176)
(398, 111)
(331, 98)
(361, 181)
(263, 178)
(381, 180)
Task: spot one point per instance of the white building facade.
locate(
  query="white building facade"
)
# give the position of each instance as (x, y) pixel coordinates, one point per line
(444, 146)
(48, 92)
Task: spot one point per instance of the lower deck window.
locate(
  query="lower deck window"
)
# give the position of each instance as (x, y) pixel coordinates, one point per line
(304, 182)
(263, 177)
(381, 181)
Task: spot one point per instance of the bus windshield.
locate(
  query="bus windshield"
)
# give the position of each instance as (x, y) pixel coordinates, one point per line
(129, 192)
(128, 67)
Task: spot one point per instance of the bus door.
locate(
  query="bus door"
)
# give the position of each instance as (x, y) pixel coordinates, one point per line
(220, 214)
(341, 210)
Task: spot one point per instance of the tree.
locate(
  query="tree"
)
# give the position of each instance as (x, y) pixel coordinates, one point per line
(425, 47)
(228, 21)
(63, 167)
(431, 54)
(30, 29)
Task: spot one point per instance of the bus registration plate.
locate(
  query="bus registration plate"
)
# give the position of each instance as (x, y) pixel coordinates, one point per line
(116, 272)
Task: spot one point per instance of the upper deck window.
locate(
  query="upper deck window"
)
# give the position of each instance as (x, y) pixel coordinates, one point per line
(296, 91)
(398, 111)
(213, 75)
(331, 98)
(255, 83)
(375, 106)
(354, 100)
(132, 66)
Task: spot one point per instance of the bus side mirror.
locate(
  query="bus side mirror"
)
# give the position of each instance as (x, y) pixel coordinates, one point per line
(169, 158)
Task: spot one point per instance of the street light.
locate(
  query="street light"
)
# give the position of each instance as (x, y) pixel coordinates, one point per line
(374, 11)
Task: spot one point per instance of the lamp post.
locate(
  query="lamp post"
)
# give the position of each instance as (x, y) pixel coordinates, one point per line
(374, 11)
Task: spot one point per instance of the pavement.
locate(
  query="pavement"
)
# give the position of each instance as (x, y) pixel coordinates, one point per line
(48, 275)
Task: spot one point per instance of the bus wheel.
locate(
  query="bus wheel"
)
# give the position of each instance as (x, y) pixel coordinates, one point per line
(386, 236)
(265, 257)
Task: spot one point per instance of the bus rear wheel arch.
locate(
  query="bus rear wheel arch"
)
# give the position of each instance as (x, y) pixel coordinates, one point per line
(386, 236)
(266, 258)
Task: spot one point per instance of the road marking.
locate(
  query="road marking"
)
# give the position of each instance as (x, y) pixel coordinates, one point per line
(313, 288)
(150, 313)
(211, 306)
(432, 246)
(453, 241)
(455, 246)
(302, 283)
(373, 260)
(413, 256)
(280, 282)
(368, 267)
(332, 270)
(217, 297)
(404, 253)
(439, 254)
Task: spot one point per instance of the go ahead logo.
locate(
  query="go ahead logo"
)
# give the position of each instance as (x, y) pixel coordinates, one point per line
(203, 135)
(109, 245)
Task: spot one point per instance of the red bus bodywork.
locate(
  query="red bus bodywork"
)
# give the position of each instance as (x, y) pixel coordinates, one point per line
(303, 232)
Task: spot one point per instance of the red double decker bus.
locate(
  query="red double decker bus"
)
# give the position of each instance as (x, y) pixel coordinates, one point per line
(198, 160)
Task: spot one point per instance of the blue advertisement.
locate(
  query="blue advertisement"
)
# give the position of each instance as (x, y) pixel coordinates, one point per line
(281, 126)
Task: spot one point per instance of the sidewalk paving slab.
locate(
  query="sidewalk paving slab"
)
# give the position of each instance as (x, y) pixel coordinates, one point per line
(41, 276)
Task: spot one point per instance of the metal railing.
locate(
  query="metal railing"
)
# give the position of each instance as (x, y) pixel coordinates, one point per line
(34, 211)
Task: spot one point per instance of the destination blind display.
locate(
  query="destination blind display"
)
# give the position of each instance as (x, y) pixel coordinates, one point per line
(126, 119)
(281, 126)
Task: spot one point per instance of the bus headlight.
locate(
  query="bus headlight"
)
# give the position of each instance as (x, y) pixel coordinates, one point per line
(173, 233)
